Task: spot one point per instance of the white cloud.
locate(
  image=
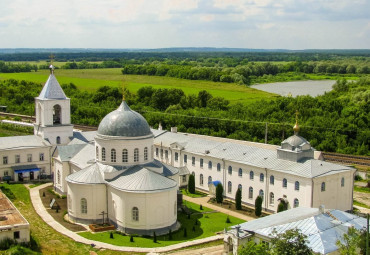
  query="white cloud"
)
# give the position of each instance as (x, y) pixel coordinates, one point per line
(174, 23)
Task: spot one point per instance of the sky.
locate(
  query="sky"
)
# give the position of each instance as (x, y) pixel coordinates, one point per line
(257, 24)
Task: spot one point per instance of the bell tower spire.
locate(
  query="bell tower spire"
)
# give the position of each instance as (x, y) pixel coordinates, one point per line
(53, 112)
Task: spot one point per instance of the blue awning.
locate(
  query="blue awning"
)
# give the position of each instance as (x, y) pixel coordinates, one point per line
(27, 170)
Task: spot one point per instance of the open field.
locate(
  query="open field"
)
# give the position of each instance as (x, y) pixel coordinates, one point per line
(92, 79)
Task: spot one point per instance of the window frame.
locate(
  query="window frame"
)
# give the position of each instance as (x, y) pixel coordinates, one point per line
(136, 155)
(124, 156)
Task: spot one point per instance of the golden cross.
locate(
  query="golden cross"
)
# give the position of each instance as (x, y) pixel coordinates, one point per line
(51, 58)
(296, 116)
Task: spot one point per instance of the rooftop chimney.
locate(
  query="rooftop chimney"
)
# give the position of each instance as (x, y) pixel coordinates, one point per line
(173, 129)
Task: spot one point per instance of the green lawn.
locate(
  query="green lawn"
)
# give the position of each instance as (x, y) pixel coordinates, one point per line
(197, 193)
(361, 189)
(50, 241)
(208, 225)
(360, 204)
(92, 79)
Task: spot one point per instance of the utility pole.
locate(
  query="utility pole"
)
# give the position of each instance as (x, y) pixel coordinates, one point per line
(266, 133)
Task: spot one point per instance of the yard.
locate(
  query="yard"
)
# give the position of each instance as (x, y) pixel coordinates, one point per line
(202, 223)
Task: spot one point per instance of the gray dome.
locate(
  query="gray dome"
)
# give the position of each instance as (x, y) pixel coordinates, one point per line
(124, 122)
(295, 140)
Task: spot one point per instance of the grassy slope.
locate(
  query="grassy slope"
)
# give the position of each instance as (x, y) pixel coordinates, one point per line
(51, 242)
(208, 225)
(91, 79)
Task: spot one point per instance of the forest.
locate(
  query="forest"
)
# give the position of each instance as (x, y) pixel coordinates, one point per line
(336, 121)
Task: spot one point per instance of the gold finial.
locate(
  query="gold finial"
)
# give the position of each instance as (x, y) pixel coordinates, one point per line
(296, 126)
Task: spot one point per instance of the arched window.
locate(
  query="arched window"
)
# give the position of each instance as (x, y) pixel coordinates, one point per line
(251, 175)
(285, 183)
(113, 155)
(296, 185)
(296, 202)
(103, 154)
(136, 155)
(193, 173)
(209, 164)
(185, 158)
(156, 152)
(229, 187)
(272, 180)
(230, 170)
(83, 205)
(124, 155)
(161, 153)
(262, 177)
(323, 186)
(240, 172)
(261, 194)
(250, 193)
(201, 179)
(135, 214)
(97, 152)
(218, 167)
(57, 110)
(209, 179)
(166, 154)
(272, 198)
(176, 156)
(240, 187)
(342, 182)
(58, 139)
(58, 177)
(146, 153)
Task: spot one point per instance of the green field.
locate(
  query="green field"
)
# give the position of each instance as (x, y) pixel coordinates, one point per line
(92, 79)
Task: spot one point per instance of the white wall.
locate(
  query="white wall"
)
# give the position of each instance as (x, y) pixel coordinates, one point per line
(156, 210)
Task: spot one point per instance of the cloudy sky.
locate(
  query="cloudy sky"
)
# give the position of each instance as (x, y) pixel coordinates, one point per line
(269, 24)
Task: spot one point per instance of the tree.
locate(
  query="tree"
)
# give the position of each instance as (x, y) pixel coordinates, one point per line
(251, 248)
(291, 242)
(238, 199)
(350, 243)
(154, 237)
(258, 206)
(191, 184)
(219, 192)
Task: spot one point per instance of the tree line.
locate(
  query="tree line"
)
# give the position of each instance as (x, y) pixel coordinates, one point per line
(16, 67)
(337, 121)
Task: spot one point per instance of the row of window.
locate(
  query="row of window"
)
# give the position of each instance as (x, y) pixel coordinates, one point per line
(17, 158)
(134, 210)
(125, 154)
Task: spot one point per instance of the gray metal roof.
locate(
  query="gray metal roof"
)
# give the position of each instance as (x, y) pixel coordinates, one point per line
(296, 140)
(252, 154)
(124, 122)
(83, 137)
(22, 142)
(66, 152)
(85, 156)
(52, 89)
(183, 170)
(322, 229)
(92, 174)
(139, 179)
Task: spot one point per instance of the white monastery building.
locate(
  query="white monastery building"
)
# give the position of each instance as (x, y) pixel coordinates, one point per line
(132, 173)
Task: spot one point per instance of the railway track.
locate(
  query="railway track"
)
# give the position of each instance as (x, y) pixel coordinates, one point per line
(328, 156)
(32, 118)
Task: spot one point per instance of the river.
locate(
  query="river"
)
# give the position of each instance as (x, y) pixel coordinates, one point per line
(297, 88)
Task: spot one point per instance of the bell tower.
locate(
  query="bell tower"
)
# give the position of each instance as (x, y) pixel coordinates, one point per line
(53, 113)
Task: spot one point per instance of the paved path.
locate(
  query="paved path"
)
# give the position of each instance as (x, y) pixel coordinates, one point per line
(204, 202)
(40, 209)
(214, 250)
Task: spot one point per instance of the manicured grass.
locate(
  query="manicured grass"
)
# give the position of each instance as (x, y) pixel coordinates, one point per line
(361, 189)
(92, 79)
(50, 241)
(360, 204)
(197, 193)
(208, 225)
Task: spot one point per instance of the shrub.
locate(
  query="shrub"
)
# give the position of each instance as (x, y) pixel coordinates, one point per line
(238, 199)
(170, 235)
(191, 184)
(228, 219)
(258, 206)
(6, 243)
(131, 239)
(185, 233)
(219, 192)
(154, 237)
